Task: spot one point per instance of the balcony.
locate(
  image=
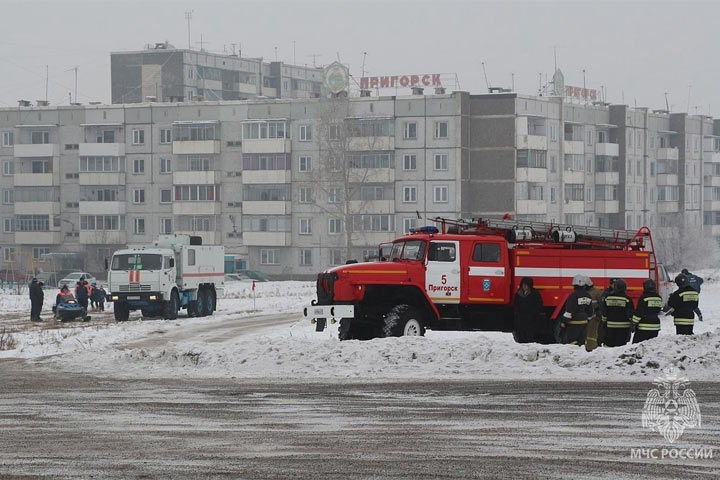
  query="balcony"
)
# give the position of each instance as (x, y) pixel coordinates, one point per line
(102, 150)
(573, 176)
(37, 208)
(574, 206)
(196, 208)
(713, 157)
(530, 142)
(607, 206)
(713, 229)
(534, 175)
(103, 208)
(33, 180)
(366, 144)
(205, 177)
(208, 238)
(38, 238)
(102, 178)
(711, 205)
(372, 206)
(711, 181)
(607, 178)
(607, 149)
(266, 176)
(196, 147)
(572, 147)
(103, 237)
(267, 207)
(668, 207)
(270, 145)
(371, 175)
(667, 153)
(267, 239)
(667, 179)
(36, 150)
(529, 207)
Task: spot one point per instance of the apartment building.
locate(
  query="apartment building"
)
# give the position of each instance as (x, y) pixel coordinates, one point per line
(293, 186)
(164, 73)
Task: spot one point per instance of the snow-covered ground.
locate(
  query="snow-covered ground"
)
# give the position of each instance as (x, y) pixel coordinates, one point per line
(236, 342)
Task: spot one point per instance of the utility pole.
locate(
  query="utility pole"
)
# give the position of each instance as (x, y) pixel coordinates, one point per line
(188, 17)
(46, 82)
(314, 56)
(294, 61)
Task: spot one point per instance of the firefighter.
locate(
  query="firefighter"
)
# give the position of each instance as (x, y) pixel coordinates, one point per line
(528, 308)
(682, 304)
(593, 329)
(617, 313)
(578, 310)
(696, 283)
(645, 319)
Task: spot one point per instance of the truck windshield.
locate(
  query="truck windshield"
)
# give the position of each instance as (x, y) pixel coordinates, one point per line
(137, 261)
(410, 250)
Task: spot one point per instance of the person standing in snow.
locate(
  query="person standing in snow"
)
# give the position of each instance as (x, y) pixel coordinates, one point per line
(593, 338)
(646, 319)
(36, 300)
(617, 312)
(682, 304)
(695, 282)
(81, 294)
(578, 309)
(528, 308)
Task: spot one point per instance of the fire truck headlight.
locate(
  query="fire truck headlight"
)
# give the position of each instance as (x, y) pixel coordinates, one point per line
(153, 297)
(115, 297)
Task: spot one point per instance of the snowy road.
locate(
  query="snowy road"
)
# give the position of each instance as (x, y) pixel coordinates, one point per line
(68, 425)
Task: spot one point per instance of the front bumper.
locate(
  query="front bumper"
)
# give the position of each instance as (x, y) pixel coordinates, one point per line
(319, 314)
(144, 297)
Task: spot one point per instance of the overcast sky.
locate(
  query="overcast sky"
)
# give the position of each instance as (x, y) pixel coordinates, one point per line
(638, 51)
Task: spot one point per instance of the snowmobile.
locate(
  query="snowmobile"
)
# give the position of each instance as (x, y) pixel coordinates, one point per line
(70, 310)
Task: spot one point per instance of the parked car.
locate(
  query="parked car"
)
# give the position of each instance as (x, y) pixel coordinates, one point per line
(71, 279)
(254, 275)
(237, 277)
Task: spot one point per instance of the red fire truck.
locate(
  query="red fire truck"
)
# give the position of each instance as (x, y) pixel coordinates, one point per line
(464, 274)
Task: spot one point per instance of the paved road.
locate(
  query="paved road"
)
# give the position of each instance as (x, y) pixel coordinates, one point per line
(65, 425)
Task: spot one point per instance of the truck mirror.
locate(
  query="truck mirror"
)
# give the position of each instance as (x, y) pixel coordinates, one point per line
(172, 262)
(106, 264)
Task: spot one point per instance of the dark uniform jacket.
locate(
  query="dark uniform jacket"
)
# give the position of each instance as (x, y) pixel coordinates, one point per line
(617, 310)
(36, 293)
(648, 308)
(694, 281)
(528, 307)
(684, 301)
(578, 308)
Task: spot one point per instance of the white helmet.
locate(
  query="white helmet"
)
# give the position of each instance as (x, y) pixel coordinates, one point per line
(588, 282)
(578, 281)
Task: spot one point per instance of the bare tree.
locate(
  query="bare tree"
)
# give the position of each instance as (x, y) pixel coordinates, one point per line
(686, 248)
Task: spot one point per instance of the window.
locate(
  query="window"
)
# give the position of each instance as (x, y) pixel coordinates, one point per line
(553, 163)
(335, 195)
(628, 195)
(372, 192)
(638, 192)
(9, 254)
(334, 132)
(102, 222)
(410, 194)
(165, 135)
(588, 165)
(668, 193)
(195, 132)
(266, 161)
(574, 192)
(38, 252)
(305, 133)
(486, 252)
(8, 225)
(195, 193)
(371, 128)
(8, 167)
(305, 195)
(166, 225)
(409, 223)
(409, 162)
(306, 226)
(531, 158)
(305, 256)
(410, 131)
(166, 195)
(373, 223)
(105, 136)
(165, 165)
(606, 192)
(265, 130)
(191, 256)
(139, 166)
(336, 256)
(32, 223)
(441, 252)
(102, 164)
(138, 137)
(39, 137)
(638, 168)
(305, 164)
(553, 194)
(371, 160)
(441, 129)
(41, 166)
(8, 197)
(269, 256)
(553, 133)
(139, 226)
(335, 226)
(574, 163)
(8, 139)
(604, 163)
(588, 194)
(601, 137)
(440, 194)
(139, 195)
(441, 161)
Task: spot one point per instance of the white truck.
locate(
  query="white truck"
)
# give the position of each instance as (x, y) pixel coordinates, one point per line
(174, 272)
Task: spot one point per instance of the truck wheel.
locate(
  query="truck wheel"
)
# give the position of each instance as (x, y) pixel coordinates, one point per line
(122, 312)
(202, 303)
(211, 303)
(345, 330)
(403, 320)
(171, 307)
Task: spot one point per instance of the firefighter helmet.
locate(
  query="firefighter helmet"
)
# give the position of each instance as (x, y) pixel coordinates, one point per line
(649, 285)
(578, 281)
(681, 280)
(588, 282)
(620, 285)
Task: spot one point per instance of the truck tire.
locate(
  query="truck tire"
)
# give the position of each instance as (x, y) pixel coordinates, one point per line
(345, 330)
(202, 303)
(121, 311)
(403, 320)
(172, 306)
(211, 301)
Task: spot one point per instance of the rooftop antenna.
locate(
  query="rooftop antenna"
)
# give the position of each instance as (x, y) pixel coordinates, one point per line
(188, 17)
(487, 84)
(202, 43)
(584, 86)
(276, 53)
(688, 98)
(233, 45)
(294, 61)
(75, 68)
(362, 75)
(47, 76)
(314, 57)
(512, 81)
(667, 105)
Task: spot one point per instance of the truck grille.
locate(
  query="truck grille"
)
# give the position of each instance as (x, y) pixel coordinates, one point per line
(325, 284)
(135, 287)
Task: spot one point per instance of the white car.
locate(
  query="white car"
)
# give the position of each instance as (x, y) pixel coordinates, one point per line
(73, 278)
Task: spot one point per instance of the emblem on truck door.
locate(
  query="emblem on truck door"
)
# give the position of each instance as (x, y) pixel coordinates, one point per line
(487, 284)
(134, 276)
